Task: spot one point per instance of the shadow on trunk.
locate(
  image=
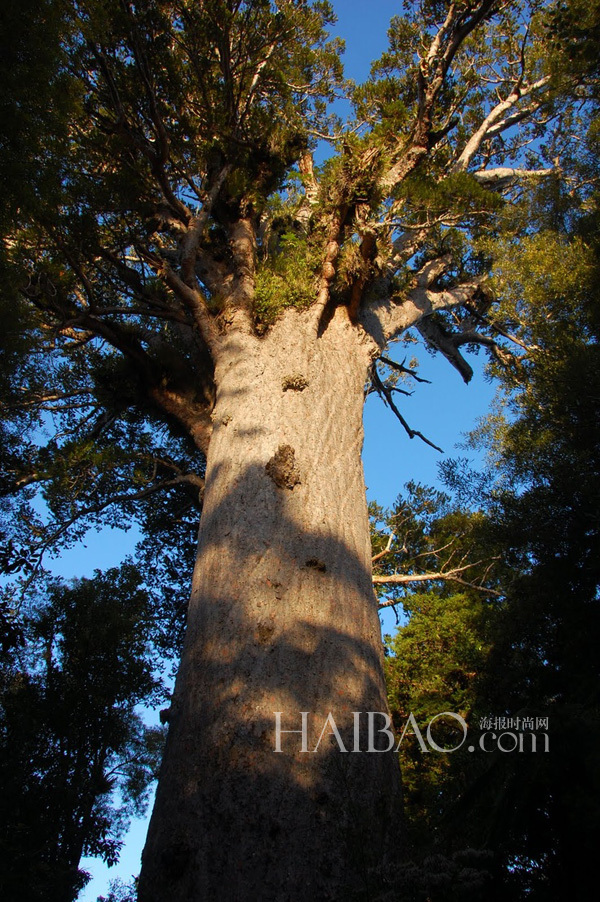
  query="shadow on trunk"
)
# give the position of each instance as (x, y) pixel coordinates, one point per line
(284, 620)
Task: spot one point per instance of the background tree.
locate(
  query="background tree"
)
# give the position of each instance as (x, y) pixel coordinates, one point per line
(518, 642)
(76, 759)
(443, 573)
(537, 813)
(198, 286)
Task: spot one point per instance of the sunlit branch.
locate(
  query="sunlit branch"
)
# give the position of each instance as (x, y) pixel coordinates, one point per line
(386, 550)
(400, 579)
(447, 343)
(451, 574)
(505, 176)
(494, 123)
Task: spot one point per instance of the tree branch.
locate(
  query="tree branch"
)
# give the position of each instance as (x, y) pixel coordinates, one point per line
(399, 367)
(431, 75)
(196, 229)
(386, 319)
(494, 123)
(443, 341)
(311, 188)
(386, 550)
(120, 498)
(401, 579)
(385, 393)
(191, 297)
(505, 176)
(451, 574)
(242, 242)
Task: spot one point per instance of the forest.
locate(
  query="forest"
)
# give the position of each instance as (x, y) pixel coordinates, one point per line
(214, 248)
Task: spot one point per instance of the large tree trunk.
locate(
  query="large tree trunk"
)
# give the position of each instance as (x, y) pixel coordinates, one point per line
(282, 619)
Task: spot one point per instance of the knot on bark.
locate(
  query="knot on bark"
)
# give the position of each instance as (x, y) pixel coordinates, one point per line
(264, 632)
(315, 564)
(295, 382)
(282, 468)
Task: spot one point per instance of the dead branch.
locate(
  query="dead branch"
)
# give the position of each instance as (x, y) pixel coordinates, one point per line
(496, 121)
(385, 392)
(504, 176)
(401, 368)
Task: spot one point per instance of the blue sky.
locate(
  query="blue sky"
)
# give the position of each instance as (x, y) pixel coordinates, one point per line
(443, 411)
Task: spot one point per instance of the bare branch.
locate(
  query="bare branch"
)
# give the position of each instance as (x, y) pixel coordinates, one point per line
(386, 550)
(388, 318)
(386, 394)
(432, 72)
(242, 241)
(197, 227)
(191, 297)
(399, 367)
(451, 574)
(405, 245)
(327, 275)
(432, 270)
(255, 80)
(311, 188)
(445, 342)
(526, 113)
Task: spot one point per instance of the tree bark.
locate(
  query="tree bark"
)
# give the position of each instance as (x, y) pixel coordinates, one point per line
(282, 618)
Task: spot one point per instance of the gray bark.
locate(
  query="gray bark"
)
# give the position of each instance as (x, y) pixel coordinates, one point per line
(282, 618)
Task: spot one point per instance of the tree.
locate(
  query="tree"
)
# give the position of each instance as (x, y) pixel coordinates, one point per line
(537, 507)
(200, 287)
(519, 642)
(76, 759)
(445, 576)
(543, 658)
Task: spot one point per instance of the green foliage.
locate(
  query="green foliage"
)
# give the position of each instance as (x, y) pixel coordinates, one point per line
(134, 111)
(123, 112)
(287, 278)
(433, 663)
(120, 892)
(539, 503)
(428, 197)
(36, 98)
(542, 280)
(76, 759)
(575, 33)
(533, 652)
(428, 536)
(544, 652)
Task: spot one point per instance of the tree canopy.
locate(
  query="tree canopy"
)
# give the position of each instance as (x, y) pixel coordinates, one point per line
(171, 201)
